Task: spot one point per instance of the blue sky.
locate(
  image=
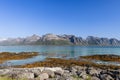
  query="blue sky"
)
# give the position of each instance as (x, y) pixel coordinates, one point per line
(20, 18)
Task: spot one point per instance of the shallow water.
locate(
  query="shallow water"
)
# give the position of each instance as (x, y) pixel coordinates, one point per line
(58, 51)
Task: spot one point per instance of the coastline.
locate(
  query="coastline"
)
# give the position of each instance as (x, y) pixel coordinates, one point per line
(64, 69)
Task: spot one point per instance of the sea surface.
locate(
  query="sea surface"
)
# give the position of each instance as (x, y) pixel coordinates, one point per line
(57, 51)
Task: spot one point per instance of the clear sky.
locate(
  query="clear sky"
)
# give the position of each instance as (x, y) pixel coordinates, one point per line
(20, 18)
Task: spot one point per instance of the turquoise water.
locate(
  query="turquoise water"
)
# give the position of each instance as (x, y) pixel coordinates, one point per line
(58, 51)
(70, 50)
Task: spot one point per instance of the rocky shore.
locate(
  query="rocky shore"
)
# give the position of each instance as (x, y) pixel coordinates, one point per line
(58, 73)
(60, 69)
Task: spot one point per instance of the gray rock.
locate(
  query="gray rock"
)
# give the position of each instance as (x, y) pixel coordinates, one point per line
(66, 71)
(36, 72)
(106, 77)
(59, 72)
(93, 71)
(4, 71)
(50, 73)
(94, 78)
(56, 70)
(83, 75)
(67, 75)
(109, 77)
(73, 71)
(43, 76)
(26, 75)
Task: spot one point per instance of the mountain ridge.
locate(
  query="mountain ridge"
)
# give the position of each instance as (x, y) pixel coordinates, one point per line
(52, 39)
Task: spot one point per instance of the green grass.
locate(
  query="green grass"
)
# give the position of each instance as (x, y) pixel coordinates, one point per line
(7, 78)
(89, 77)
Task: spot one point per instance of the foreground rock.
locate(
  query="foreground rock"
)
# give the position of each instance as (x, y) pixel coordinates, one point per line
(58, 73)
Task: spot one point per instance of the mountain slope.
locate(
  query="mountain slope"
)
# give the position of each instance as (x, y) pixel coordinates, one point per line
(52, 39)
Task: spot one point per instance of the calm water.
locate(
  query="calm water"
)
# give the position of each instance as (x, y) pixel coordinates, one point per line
(58, 51)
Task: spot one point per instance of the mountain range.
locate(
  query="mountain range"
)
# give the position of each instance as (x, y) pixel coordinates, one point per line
(52, 39)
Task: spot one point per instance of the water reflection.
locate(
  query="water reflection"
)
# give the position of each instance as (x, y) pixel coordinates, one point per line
(72, 51)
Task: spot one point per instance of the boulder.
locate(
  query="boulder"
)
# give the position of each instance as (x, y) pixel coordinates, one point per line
(4, 71)
(41, 68)
(106, 77)
(36, 72)
(50, 73)
(109, 77)
(73, 71)
(26, 75)
(56, 70)
(83, 75)
(59, 72)
(43, 76)
(94, 78)
(93, 71)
